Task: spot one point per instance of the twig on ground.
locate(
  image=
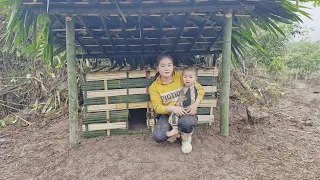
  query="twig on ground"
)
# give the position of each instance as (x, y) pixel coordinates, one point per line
(22, 119)
(22, 78)
(14, 103)
(294, 130)
(9, 107)
(11, 89)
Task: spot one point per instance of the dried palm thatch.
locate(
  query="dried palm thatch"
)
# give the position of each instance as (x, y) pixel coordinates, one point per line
(137, 31)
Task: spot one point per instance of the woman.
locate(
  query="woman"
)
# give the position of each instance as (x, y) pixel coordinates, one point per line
(164, 93)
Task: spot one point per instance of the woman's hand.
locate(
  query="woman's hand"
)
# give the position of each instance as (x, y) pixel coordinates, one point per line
(192, 109)
(180, 111)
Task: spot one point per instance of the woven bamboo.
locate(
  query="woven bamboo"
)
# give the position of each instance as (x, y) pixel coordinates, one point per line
(108, 96)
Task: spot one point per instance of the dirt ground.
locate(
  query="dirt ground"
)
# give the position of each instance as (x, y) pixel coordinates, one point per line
(288, 147)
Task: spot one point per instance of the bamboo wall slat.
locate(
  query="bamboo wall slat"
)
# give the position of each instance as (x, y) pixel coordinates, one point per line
(122, 106)
(106, 126)
(115, 92)
(132, 91)
(137, 83)
(122, 116)
(97, 76)
(210, 88)
(106, 76)
(205, 119)
(129, 99)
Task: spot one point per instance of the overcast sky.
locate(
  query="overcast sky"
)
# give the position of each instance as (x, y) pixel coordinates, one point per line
(315, 23)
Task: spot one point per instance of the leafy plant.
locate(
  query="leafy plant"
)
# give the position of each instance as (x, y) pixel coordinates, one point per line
(304, 57)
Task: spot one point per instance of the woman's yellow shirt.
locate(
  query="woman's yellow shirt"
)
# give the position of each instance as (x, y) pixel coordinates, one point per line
(163, 95)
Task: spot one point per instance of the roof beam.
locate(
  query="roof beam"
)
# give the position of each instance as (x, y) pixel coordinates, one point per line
(146, 9)
(214, 40)
(124, 34)
(160, 33)
(77, 39)
(199, 32)
(147, 29)
(132, 54)
(107, 31)
(181, 28)
(95, 2)
(91, 34)
(142, 37)
(70, 1)
(146, 38)
(139, 45)
(144, 18)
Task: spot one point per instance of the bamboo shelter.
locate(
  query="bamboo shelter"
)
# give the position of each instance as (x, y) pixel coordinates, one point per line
(129, 31)
(110, 95)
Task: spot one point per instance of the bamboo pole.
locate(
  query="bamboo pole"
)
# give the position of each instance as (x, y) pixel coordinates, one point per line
(226, 63)
(72, 82)
(152, 9)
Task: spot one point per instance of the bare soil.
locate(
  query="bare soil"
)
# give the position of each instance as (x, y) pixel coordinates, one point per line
(287, 147)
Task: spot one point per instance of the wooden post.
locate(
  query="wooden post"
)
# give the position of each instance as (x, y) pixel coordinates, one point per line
(226, 63)
(72, 82)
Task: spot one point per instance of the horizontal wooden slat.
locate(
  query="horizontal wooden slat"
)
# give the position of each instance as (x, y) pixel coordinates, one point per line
(91, 134)
(96, 76)
(122, 116)
(207, 80)
(106, 75)
(203, 110)
(210, 88)
(115, 92)
(120, 106)
(133, 91)
(125, 131)
(105, 126)
(209, 72)
(92, 85)
(129, 83)
(208, 103)
(100, 117)
(117, 99)
(205, 119)
(136, 83)
(129, 99)
(104, 93)
(94, 101)
(140, 74)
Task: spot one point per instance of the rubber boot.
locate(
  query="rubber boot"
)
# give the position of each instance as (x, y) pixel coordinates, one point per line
(186, 146)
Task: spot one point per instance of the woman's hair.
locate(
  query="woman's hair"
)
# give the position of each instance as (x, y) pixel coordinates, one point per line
(159, 58)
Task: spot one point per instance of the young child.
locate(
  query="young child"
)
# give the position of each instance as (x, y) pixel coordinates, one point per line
(188, 95)
(164, 94)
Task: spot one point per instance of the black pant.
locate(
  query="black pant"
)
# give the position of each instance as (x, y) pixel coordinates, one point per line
(186, 124)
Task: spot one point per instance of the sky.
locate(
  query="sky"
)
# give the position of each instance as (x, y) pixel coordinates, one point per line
(315, 23)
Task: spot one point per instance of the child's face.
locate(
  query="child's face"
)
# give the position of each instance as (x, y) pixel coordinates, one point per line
(165, 67)
(189, 78)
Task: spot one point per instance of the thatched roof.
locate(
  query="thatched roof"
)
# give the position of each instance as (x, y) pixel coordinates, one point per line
(127, 28)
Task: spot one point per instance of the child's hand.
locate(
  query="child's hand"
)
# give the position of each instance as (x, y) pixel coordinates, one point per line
(192, 109)
(180, 111)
